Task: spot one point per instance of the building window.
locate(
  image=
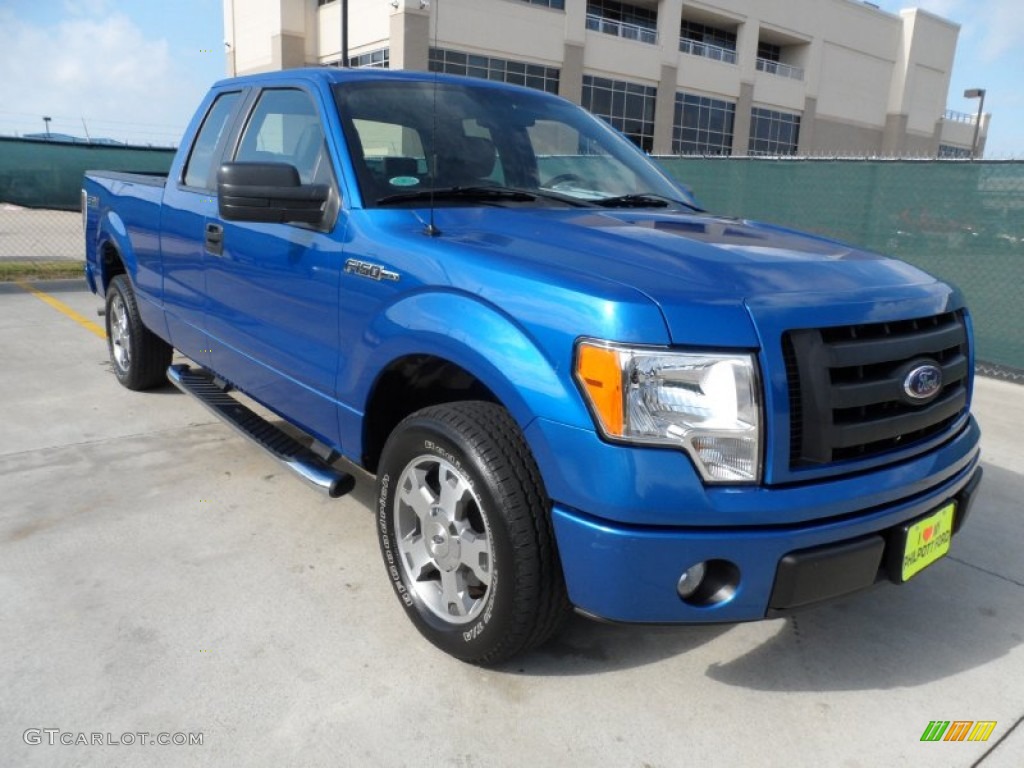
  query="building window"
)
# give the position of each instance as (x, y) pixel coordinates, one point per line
(379, 59)
(628, 107)
(952, 152)
(703, 126)
(769, 59)
(773, 133)
(623, 20)
(710, 42)
(559, 4)
(769, 51)
(699, 39)
(489, 68)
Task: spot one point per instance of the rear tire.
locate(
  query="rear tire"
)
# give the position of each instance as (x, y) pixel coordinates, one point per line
(465, 531)
(138, 356)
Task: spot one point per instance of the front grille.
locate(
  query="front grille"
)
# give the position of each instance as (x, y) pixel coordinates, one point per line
(846, 386)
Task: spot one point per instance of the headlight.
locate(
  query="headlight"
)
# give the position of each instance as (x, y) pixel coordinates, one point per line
(706, 403)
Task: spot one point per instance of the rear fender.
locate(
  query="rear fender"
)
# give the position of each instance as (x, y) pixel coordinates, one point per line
(112, 232)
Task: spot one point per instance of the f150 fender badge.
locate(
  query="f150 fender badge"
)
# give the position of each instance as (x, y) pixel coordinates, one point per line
(371, 271)
(923, 382)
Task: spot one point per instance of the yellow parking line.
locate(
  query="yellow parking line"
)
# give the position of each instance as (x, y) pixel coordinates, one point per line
(63, 308)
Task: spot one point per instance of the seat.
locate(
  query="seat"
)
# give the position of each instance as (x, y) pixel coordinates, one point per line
(466, 163)
(308, 151)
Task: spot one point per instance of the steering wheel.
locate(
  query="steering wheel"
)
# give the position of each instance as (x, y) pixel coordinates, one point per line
(564, 178)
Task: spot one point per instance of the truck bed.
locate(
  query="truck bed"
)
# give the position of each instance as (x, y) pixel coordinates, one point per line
(147, 179)
(131, 205)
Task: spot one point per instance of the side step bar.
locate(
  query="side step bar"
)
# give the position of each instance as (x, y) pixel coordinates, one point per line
(282, 447)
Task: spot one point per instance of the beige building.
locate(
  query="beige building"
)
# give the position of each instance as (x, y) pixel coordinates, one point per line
(808, 77)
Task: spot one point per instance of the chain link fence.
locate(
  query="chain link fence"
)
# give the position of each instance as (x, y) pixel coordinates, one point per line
(28, 234)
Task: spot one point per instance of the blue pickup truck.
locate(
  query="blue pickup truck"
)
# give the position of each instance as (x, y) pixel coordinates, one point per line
(576, 388)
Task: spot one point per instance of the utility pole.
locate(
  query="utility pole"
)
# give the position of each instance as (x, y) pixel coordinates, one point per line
(344, 33)
(46, 122)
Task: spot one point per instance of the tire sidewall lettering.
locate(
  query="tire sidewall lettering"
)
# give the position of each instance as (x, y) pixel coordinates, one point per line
(394, 572)
(477, 629)
(431, 447)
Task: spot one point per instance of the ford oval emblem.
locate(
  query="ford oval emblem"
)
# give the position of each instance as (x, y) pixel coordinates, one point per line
(923, 382)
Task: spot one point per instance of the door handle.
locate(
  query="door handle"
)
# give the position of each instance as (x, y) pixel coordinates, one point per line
(215, 239)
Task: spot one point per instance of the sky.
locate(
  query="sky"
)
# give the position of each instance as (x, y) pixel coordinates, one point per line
(130, 69)
(136, 69)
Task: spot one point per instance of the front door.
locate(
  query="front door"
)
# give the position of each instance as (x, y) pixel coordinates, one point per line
(273, 288)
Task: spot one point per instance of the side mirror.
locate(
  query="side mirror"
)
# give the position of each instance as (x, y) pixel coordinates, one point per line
(268, 192)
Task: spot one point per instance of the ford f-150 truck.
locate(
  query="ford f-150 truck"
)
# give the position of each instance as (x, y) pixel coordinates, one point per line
(576, 388)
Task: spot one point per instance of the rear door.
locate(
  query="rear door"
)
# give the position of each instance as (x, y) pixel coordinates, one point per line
(189, 201)
(273, 288)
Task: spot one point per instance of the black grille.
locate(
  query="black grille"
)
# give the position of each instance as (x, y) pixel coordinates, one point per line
(846, 386)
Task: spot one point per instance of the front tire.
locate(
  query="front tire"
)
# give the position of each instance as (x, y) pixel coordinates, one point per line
(464, 528)
(138, 356)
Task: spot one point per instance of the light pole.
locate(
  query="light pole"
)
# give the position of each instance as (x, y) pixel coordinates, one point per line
(46, 122)
(976, 93)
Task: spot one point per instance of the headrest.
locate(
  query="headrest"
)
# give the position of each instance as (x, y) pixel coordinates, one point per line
(400, 166)
(478, 156)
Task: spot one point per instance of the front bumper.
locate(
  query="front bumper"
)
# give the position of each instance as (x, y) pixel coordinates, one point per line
(630, 573)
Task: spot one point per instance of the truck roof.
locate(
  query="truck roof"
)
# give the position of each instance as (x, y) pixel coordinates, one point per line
(332, 75)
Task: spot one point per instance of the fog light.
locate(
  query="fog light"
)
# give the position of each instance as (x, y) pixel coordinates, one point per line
(691, 580)
(709, 583)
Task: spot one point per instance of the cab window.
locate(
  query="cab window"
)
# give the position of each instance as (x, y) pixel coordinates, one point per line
(285, 128)
(204, 149)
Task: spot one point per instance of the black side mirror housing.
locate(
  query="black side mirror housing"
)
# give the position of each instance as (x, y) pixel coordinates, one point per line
(268, 192)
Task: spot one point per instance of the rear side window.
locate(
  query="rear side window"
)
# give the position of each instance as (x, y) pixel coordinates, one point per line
(200, 161)
(285, 128)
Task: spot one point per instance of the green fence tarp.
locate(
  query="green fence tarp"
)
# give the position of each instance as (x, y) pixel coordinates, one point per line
(48, 174)
(961, 221)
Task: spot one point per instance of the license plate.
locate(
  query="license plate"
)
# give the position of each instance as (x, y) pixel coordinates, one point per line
(927, 540)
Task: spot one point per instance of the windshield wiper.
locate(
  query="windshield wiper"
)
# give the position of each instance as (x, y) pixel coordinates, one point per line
(642, 200)
(483, 193)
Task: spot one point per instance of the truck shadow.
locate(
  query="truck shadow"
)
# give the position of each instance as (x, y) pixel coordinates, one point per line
(968, 611)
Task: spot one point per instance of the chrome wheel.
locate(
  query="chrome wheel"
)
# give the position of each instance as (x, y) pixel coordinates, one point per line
(442, 539)
(138, 357)
(120, 333)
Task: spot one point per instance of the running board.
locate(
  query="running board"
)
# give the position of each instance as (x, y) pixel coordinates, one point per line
(282, 447)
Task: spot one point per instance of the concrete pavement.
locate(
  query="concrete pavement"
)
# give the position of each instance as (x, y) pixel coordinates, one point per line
(158, 574)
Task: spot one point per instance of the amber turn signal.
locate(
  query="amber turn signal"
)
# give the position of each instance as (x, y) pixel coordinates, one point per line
(600, 373)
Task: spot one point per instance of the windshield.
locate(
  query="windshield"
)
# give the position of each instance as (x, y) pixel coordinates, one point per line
(464, 144)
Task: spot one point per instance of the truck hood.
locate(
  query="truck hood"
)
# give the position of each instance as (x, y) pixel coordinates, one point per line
(699, 269)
